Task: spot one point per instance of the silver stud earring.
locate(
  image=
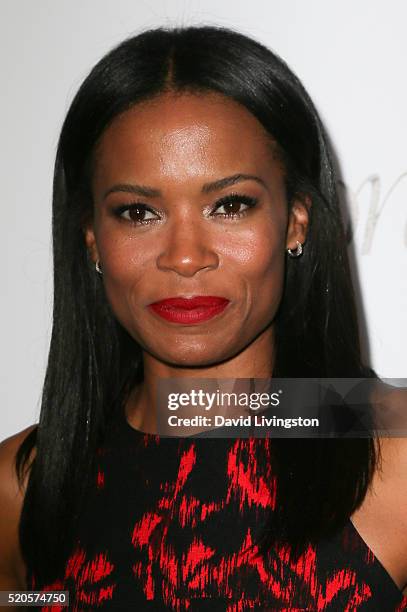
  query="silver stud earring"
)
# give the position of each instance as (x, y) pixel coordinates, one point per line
(297, 252)
(97, 266)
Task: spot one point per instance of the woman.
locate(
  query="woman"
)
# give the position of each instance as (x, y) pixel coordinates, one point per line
(192, 164)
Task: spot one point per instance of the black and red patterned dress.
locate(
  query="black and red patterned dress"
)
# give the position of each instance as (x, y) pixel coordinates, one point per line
(170, 524)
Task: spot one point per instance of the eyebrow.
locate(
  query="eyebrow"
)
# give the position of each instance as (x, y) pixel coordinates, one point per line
(150, 192)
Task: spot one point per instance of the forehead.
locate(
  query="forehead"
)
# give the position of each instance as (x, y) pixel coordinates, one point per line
(184, 135)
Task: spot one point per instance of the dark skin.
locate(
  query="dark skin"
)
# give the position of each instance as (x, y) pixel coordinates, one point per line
(177, 145)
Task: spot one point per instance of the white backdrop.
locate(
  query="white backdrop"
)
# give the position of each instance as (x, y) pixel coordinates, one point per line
(351, 56)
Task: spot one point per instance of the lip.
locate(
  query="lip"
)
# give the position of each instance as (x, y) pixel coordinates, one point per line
(189, 310)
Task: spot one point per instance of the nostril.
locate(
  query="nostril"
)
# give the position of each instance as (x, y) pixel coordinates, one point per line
(187, 262)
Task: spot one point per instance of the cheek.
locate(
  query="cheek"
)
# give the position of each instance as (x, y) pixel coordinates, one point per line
(251, 266)
(257, 256)
(125, 268)
(266, 283)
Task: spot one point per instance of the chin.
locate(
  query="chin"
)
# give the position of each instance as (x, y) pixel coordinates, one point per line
(192, 358)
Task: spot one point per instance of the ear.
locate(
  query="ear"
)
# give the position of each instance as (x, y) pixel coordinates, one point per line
(90, 240)
(298, 221)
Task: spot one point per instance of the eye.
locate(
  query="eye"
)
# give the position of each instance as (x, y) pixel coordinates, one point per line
(232, 205)
(138, 214)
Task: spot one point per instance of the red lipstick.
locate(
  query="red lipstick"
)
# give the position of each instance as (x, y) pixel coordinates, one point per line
(189, 310)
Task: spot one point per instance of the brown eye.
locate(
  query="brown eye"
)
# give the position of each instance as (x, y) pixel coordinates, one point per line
(232, 205)
(138, 214)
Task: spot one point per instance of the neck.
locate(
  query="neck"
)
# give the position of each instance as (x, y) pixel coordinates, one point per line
(255, 361)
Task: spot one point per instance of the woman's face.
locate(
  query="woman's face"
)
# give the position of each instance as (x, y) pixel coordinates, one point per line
(163, 173)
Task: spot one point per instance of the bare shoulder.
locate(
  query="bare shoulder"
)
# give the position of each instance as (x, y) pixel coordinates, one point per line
(391, 406)
(392, 467)
(382, 518)
(11, 500)
(9, 486)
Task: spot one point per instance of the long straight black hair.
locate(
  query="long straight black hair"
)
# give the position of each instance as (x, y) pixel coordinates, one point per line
(93, 362)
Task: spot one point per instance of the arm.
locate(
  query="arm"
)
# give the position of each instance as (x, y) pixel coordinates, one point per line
(12, 567)
(382, 517)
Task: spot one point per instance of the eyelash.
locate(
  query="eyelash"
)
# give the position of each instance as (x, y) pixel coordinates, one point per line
(249, 201)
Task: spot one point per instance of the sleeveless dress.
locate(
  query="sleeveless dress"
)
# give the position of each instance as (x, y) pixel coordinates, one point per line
(170, 523)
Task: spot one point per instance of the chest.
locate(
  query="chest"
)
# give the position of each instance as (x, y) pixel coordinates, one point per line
(181, 527)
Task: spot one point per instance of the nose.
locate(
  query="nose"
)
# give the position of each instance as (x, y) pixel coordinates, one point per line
(187, 250)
